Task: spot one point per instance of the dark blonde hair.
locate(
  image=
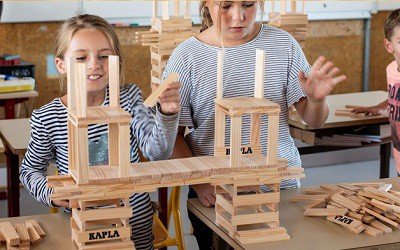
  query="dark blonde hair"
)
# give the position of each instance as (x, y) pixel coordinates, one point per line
(68, 29)
(205, 16)
(392, 21)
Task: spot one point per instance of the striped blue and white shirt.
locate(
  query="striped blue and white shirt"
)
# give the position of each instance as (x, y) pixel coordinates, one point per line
(153, 134)
(196, 62)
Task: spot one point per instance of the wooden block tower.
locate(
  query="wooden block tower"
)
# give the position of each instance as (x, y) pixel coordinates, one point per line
(167, 31)
(91, 226)
(293, 22)
(252, 207)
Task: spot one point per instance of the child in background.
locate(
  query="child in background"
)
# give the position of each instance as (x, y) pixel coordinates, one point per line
(90, 39)
(392, 45)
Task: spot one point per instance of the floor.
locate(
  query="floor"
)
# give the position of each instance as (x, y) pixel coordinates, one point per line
(344, 172)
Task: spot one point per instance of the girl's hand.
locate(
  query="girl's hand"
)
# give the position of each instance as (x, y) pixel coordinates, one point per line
(374, 110)
(170, 100)
(321, 80)
(61, 203)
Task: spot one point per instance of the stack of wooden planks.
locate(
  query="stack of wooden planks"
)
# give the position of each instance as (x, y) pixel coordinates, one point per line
(359, 207)
(21, 235)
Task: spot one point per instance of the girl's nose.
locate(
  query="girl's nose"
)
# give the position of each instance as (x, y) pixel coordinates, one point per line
(237, 14)
(94, 63)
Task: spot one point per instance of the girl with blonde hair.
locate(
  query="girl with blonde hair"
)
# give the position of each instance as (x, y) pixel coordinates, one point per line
(289, 80)
(91, 39)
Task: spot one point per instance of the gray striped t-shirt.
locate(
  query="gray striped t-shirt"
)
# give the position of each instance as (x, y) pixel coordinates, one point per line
(196, 62)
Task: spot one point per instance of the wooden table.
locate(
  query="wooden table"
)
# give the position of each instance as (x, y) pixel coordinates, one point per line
(15, 134)
(57, 229)
(9, 100)
(305, 232)
(335, 123)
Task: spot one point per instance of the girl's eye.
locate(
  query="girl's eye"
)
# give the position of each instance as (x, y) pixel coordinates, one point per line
(226, 6)
(248, 4)
(103, 57)
(82, 58)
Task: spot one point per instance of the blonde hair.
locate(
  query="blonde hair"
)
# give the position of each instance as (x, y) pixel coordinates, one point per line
(205, 16)
(68, 29)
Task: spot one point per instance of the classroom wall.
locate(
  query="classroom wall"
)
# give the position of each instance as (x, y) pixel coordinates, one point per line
(379, 57)
(340, 41)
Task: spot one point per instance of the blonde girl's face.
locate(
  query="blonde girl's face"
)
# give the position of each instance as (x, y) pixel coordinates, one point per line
(92, 47)
(236, 18)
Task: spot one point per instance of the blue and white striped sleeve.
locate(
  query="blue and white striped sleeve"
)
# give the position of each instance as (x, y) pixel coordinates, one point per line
(155, 134)
(34, 165)
(177, 63)
(297, 63)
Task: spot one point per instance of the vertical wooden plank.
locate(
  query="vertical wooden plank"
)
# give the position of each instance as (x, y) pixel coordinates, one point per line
(303, 6)
(82, 154)
(259, 75)
(71, 145)
(293, 7)
(124, 149)
(283, 6)
(155, 8)
(272, 146)
(255, 129)
(219, 130)
(70, 63)
(113, 145)
(235, 141)
(80, 89)
(165, 10)
(272, 6)
(113, 69)
(176, 8)
(187, 10)
(220, 69)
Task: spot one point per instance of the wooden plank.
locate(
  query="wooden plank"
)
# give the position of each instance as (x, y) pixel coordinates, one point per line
(71, 78)
(33, 234)
(380, 217)
(22, 231)
(255, 199)
(219, 132)
(124, 150)
(235, 141)
(255, 218)
(80, 87)
(351, 205)
(153, 98)
(104, 214)
(104, 234)
(353, 225)
(9, 234)
(37, 227)
(325, 211)
(259, 74)
(272, 143)
(220, 73)
(113, 69)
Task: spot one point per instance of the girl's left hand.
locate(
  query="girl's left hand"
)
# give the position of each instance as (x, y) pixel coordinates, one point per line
(321, 80)
(170, 100)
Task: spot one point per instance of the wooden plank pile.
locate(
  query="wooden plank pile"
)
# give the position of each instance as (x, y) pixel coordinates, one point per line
(21, 235)
(293, 22)
(359, 207)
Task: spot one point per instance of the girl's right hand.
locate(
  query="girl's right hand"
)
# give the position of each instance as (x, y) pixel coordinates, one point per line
(206, 194)
(373, 110)
(61, 203)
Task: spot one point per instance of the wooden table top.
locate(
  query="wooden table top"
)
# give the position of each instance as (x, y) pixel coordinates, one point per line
(339, 102)
(15, 133)
(305, 232)
(57, 229)
(19, 94)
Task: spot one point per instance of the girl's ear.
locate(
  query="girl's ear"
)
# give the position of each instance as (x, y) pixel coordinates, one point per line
(60, 65)
(388, 46)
